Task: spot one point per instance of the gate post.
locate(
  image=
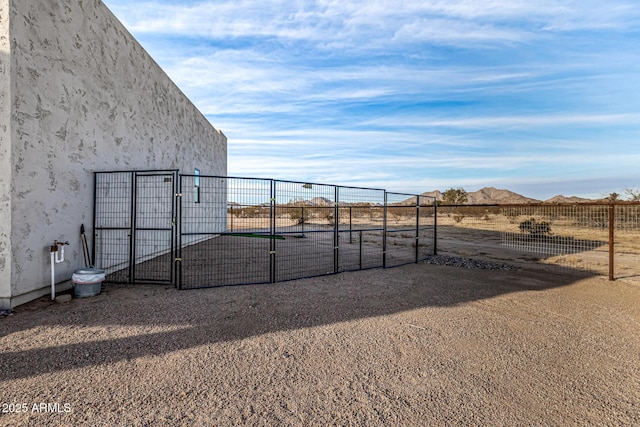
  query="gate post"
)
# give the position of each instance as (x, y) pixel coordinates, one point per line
(336, 234)
(132, 231)
(384, 233)
(272, 232)
(435, 226)
(612, 215)
(417, 241)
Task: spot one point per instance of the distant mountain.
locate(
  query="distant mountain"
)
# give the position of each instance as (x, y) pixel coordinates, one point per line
(484, 196)
(437, 194)
(321, 201)
(563, 199)
(490, 195)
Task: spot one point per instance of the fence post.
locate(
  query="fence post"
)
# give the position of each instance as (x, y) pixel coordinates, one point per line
(177, 229)
(417, 241)
(272, 232)
(336, 235)
(435, 227)
(384, 233)
(360, 249)
(612, 214)
(132, 231)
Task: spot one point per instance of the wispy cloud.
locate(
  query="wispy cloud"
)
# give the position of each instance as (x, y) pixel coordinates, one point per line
(412, 95)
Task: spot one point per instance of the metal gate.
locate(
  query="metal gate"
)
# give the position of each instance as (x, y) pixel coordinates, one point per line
(134, 226)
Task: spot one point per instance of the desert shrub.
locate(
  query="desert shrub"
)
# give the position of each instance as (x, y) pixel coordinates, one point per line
(455, 196)
(297, 215)
(329, 216)
(535, 227)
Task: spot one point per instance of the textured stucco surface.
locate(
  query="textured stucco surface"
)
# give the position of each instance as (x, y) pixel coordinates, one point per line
(5, 154)
(86, 97)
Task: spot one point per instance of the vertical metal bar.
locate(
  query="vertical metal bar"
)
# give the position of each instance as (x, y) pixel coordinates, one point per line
(179, 233)
(336, 225)
(612, 210)
(132, 231)
(302, 220)
(272, 232)
(174, 227)
(417, 227)
(435, 226)
(360, 249)
(231, 218)
(384, 232)
(350, 224)
(95, 198)
(172, 260)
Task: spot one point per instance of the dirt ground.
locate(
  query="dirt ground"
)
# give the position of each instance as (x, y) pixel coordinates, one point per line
(414, 345)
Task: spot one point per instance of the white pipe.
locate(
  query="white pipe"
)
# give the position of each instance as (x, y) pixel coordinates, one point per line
(53, 279)
(59, 250)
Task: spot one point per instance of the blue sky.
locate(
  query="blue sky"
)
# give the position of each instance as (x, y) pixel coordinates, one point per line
(539, 97)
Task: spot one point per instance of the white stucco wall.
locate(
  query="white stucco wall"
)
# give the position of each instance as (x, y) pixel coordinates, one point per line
(5, 155)
(86, 97)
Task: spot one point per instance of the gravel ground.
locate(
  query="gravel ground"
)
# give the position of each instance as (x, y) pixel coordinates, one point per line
(416, 345)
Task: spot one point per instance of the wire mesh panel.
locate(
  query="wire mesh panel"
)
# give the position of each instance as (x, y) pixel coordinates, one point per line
(225, 235)
(360, 228)
(570, 235)
(406, 238)
(153, 227)
(134, 219)
(573, 235)
(627, 240)
(427, 227)
(113, 195)
(305, 243)
(228, 231)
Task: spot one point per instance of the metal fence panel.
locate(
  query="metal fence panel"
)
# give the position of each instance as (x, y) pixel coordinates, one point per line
(134, 225)
(204, 231)
(572, 235)
(153, 228)
(408, 233)
(225, 228)
(113, 210)
(304, 243)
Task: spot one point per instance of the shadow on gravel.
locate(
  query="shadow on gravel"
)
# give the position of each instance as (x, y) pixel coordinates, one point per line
(210, 316)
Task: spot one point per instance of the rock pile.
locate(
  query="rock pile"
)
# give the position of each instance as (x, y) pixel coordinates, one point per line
(454, 261)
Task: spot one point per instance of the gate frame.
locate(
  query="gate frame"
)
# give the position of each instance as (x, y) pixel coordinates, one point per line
(132, 229)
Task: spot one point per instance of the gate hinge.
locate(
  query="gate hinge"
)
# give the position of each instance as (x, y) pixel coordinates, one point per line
(178, 260)
(178, 194)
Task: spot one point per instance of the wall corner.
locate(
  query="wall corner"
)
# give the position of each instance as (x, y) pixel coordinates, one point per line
(6, 141)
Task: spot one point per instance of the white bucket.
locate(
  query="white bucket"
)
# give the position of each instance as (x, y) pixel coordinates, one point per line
(87, 282)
